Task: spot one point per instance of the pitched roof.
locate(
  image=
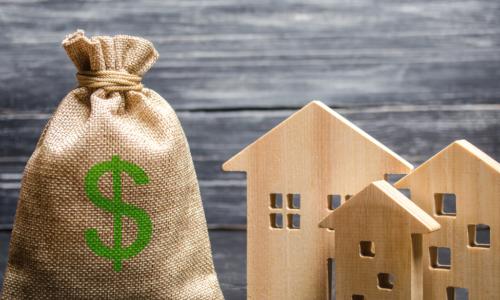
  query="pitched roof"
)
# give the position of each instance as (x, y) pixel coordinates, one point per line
(382, 191)
(239, 161)
(460, 145)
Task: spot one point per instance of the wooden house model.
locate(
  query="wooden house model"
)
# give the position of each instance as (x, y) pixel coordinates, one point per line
(460, 188)
(297, 173)
(378, 244)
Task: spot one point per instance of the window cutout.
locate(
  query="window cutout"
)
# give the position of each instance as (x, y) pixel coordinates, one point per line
(440, 257)
(358, 297)
(276, 201)
(446, 204)
(367, 248)
(331, 278)
(347, 197)
(333, 201)
(276, 220)
(385, 281)
(479, 235)
(393, 178)
(456, 293)
(294, 201)
(293, 221)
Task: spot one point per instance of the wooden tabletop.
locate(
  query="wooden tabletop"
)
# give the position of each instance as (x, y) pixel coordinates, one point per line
(414, 75)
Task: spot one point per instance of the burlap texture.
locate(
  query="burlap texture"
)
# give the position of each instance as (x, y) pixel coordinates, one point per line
(48, 254)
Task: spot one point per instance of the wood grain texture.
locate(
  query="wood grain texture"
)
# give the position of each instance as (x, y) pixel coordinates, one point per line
(231, 53)
(473, 178)
(314, 154)
(384, 238)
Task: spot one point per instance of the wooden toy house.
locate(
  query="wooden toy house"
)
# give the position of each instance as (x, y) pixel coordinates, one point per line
(297, 173)
(460, 187)
(378, 244)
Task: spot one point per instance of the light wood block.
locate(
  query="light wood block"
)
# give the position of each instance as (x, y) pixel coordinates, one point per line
(464, 173)
(378, 244)
(315, 153)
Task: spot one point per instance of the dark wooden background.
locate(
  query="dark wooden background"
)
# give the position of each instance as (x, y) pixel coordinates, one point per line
(416, 75)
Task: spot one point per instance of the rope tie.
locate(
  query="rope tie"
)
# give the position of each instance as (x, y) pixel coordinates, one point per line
(109, 80)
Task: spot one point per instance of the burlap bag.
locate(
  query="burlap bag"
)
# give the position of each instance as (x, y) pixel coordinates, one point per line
(109, 205)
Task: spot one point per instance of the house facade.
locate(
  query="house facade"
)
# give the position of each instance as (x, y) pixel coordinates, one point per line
(297, 174)
(378, 245)
(460, 188)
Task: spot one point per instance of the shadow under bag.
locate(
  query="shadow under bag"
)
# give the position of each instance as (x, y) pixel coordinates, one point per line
(110, 206)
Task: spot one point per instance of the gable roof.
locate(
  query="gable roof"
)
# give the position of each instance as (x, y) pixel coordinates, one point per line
(460, 145)
(239, 161)
(381, 190)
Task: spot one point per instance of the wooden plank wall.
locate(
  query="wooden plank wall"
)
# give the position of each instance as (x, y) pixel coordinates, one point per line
(415, 75)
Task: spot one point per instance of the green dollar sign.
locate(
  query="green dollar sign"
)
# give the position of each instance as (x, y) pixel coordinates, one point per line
(118, 209)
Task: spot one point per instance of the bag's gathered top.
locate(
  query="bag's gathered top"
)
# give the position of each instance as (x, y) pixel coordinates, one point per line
(115, 64)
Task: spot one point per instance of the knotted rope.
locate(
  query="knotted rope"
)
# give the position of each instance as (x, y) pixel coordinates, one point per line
(109, 80)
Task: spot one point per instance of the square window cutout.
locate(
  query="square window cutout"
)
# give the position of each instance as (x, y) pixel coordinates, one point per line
(294, 201)
(358, 297)
(276, 220)
(456, 293)
(276, 200)
(440, 257)
(293, 221)
(385, 281)
(334, 201)
(367, 249)
(446, 204)
(479, 235)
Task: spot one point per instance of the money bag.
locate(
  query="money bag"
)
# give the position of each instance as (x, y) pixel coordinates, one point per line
(109, 206)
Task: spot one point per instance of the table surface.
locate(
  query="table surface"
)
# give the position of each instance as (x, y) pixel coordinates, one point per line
(415, 75)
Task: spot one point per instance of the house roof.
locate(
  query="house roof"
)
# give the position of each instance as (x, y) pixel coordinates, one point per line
(462, 146)
(239, 162)
(382, 191)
